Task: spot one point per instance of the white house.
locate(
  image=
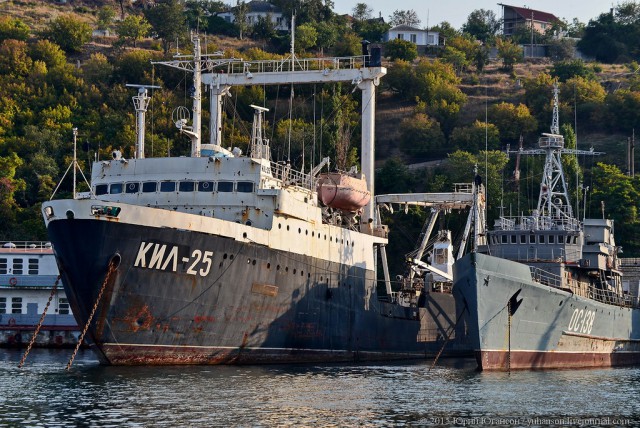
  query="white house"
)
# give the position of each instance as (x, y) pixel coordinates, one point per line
(257, 9)
(413, 35)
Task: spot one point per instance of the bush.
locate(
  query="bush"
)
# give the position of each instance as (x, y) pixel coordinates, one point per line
(400, 49)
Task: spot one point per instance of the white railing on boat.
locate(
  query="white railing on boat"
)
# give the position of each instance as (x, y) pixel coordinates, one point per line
(537, 223)
(289, 176)
(8, 246)
(239, 66)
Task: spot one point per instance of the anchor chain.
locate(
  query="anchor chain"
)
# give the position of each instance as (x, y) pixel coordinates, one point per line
(37, 330)
(112, 268)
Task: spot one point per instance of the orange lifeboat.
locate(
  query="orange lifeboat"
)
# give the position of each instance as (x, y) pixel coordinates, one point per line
(343, 191)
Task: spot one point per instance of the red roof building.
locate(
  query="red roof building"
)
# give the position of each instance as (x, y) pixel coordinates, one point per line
(515, 17)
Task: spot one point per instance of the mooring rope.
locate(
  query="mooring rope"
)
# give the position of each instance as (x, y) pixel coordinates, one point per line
(37, 330)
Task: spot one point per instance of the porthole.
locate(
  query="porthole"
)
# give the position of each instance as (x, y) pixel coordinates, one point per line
(279, 225)
(268, 265)
(225, 256)
(244, 235)
(313, 234)
(248, 261)
(306, 232)
(231, 257)
(286, 269)
(253, 262)
(278, 267)
(287, 227)
(299, 230)
(294, 271)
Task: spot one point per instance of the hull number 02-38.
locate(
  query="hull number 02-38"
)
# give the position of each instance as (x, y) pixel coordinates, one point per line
(173, 258)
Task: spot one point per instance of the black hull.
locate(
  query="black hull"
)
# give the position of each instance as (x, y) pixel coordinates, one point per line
(251, 305)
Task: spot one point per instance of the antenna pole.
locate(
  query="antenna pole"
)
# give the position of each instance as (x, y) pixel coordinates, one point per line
(75, 160)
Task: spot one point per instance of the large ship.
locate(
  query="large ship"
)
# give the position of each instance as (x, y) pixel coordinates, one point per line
(29, 284)
(220, 258)
(545, 290)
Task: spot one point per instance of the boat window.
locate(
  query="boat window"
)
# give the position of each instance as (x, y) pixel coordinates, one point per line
(16, 305)
(532, 239)
(504, 239)
(17, 266)
(149, 187)
(541, 238)
(63, 306)
(186, 186)
(167, 186)
(552, 239)
(3, 305)
(575, 239)
(225, 186)
(440, 256)
(205, 186)
(33, 267)
(3, 266)
(115, 188)
(102, 189)
(568, 239)
(523, 239)
(245, 186)
(513, 239)
(132, 187)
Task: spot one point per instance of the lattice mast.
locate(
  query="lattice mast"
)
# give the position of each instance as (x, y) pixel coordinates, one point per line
(553, 201)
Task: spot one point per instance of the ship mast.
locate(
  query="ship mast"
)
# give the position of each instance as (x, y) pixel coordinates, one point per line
(553, 200)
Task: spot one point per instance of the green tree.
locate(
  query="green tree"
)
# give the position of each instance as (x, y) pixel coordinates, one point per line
(476, 137)
(564, 70)
(623, 107)
(512, 121)
(482, 24)
(9, 187)
(105, 17)
(404, 17)
(133, 28)
(456, 58)
(421, 137)
(68, 32)
(134, 66)
(14, 59)
(168, 22)
(264, 29)
(348, 45)
(13, 28)
(306, 37)
(509, 52)
(327, 34)
(446, 30)
(400, 49)
(48, 52)
(240, 14)
(362, 12)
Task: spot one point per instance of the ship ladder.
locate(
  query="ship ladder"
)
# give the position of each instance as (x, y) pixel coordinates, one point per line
(112, 268)
(446, 340)
(37, 330)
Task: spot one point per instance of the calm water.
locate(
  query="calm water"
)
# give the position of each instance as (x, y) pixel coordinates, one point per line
(44, 394)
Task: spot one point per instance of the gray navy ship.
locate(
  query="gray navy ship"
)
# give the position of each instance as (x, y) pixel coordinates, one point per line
(220, 258)
(545, 290)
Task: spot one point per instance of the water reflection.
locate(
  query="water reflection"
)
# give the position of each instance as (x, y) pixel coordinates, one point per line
(44, 394)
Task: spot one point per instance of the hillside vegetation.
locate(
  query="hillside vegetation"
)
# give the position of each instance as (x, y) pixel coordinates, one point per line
(452, 106)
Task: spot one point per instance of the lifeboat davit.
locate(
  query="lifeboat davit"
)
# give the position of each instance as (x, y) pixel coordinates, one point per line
(343, 191)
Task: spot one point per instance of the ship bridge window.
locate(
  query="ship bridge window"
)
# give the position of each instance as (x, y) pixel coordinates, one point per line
(205, 186)
(3, 305)
(3, 266)
(513, 239)
(245, 186)
(532, 239)
(149, 187)
(568, 239)
(33, 267)
(186, 186)
(440, 256)
(132, 187)
(17, 266)
(115, 188)
(225, 186)
(63, 306)
(167, 186)
(102, 189)
(541, 239)
(552, 239)
(523, 239)
(504, 239)
(16, 305)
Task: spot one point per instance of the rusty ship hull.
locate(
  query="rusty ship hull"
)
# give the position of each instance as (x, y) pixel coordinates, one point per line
(255, 305)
